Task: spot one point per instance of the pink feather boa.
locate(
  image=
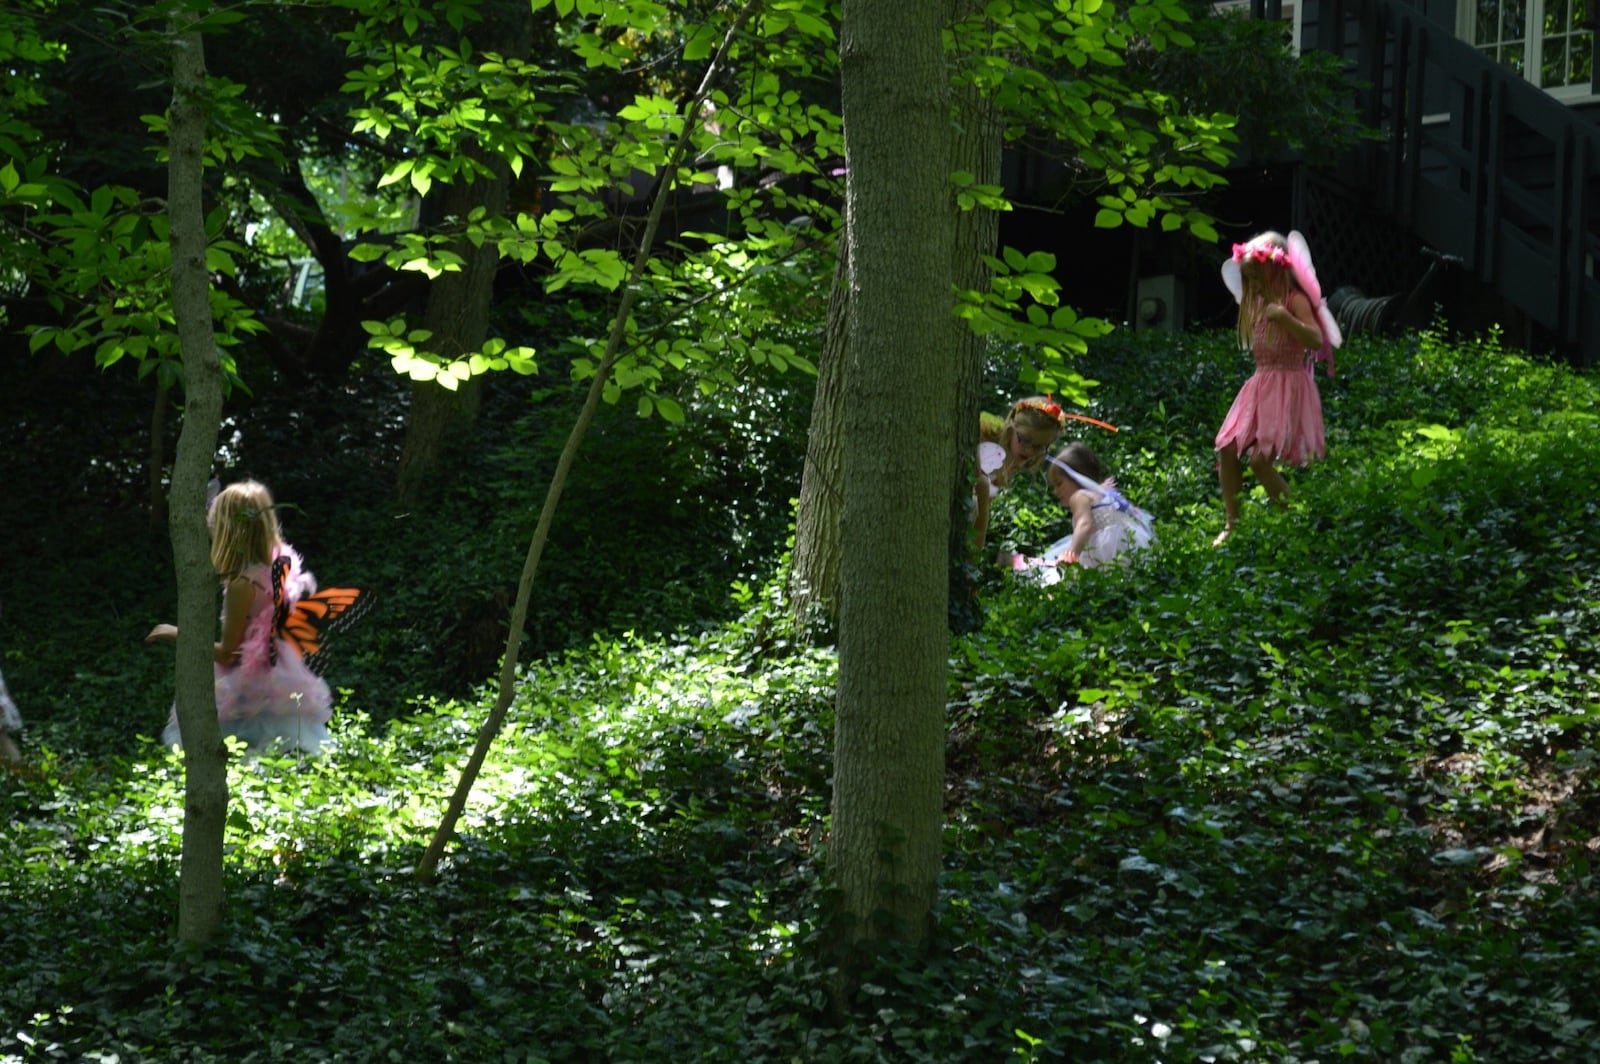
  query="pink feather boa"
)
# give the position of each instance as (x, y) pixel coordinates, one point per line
(297, 583)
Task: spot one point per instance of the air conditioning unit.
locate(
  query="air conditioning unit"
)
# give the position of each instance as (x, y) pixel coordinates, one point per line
(1159, 304)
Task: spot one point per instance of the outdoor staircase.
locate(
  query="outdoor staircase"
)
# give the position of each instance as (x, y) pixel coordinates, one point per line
(1474, 162)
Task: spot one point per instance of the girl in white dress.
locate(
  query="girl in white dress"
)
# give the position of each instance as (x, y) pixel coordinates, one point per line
(1105, 526)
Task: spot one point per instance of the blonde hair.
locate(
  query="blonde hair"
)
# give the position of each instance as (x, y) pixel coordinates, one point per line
(1262, 283)
(1036, 413)
(244, 528)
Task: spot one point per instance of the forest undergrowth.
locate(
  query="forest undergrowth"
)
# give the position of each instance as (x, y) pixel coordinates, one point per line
(1327, 792)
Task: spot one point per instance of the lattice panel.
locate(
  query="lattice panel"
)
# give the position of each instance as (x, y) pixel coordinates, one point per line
(1354, 246)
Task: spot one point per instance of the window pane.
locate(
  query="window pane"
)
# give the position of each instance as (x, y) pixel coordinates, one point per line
(1513, 20)
(1488, 29)
(1512, 56)
(1553, 63)
(1582, 56)
(1555, 17)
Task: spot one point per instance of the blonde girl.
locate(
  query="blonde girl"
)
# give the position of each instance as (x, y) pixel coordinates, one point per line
(1006, 447)
(1285, 324)
(265, 692)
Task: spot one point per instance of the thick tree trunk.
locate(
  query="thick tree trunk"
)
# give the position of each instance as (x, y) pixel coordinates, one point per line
(205, 809)
(889, 735)
(458, 316)
(814, 574)
(814, 569)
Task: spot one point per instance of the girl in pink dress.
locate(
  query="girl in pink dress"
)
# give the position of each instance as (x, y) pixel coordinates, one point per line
(266, 694)
(1286, 325)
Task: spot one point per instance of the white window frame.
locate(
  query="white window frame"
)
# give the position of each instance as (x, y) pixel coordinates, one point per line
(1533, 48)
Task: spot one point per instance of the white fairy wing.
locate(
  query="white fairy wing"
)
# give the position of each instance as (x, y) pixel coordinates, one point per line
(1232, 278)
(1330, 328)
(991, 456)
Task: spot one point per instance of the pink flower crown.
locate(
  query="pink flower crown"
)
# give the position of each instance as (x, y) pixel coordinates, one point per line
(1262, 252)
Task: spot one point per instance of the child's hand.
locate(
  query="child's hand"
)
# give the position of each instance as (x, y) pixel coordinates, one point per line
(160, 632)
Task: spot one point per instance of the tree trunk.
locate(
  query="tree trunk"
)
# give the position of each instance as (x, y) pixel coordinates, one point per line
(884, 853)
(205, 806)
(814, 573)
(975, 149)
(814, 570)
(458, 316)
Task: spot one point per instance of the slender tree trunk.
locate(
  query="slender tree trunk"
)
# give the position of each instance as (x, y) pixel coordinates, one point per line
(490, 729)
(888, 795)
(814, 570)
(205, 757)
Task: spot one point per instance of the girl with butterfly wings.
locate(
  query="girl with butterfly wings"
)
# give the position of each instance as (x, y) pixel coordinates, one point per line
(273, 624)
(1105, 525)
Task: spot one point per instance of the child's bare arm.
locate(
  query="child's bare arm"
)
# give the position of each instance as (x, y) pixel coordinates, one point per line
(1297, 319)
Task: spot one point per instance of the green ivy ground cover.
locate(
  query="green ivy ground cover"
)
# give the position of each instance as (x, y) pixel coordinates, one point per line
(1326, 793)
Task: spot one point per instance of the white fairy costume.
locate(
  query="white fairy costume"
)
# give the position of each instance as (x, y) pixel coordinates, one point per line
(10, 719)
(1120, 528)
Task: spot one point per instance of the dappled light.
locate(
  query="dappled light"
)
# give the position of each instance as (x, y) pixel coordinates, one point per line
(1327, 791)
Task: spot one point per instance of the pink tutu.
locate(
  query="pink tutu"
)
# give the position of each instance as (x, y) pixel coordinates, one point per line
(270, 699)
(1278, 411)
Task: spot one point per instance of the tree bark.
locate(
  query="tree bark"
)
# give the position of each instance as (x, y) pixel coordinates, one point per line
(205, 757)
(814, 568)
(458, 316)
(884, 852)
(975, 149)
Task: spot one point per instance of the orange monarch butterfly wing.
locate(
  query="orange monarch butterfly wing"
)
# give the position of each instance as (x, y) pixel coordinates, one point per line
(307, 623)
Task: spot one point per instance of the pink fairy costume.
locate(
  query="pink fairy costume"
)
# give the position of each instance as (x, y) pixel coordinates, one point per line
(1278, 411)
(270, 695)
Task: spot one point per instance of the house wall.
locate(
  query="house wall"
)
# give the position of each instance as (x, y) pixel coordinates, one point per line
(1362, 235)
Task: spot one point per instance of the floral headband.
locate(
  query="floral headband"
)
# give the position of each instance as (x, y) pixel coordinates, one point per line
(1261, 252)
(1050, 408)
(1046, 406)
